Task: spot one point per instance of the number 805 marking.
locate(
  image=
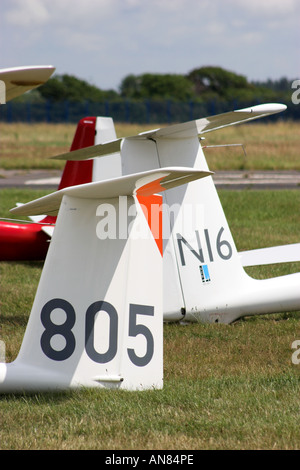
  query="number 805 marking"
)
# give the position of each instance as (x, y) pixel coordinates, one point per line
(65, 330)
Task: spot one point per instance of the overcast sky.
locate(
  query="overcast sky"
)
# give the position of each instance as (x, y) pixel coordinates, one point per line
(102, 41)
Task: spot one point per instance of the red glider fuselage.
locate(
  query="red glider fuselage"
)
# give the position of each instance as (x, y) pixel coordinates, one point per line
(22, 241)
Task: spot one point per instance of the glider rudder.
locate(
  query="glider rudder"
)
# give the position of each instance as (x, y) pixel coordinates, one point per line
(97, 318)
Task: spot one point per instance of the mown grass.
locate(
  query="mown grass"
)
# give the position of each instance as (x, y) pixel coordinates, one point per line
(268, 146)
(29, 146)
(272, 146)
(225, 386)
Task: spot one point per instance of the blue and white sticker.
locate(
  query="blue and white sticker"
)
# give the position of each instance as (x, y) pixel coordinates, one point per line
(204, 273)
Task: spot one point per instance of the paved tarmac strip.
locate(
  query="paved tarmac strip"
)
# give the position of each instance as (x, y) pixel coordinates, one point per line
(49, 179)
(257, 179)
(45, 179)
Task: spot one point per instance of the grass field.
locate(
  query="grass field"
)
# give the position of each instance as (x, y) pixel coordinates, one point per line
(225, 386)
(268, 146)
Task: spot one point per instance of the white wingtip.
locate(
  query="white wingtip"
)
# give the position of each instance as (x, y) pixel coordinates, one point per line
(267, 108)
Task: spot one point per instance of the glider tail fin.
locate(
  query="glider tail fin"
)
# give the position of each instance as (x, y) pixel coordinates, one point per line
(214, 285)
(90, 131)
(97, 318)
(80, 172)
(200, 245)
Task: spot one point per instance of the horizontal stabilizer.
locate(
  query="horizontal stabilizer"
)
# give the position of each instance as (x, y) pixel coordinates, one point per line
(212, 123)
(272, 255)
(94, 151)
(144, 184)
(19, 80)
(179, 131)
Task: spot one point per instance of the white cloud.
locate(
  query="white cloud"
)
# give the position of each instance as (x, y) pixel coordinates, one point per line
(26, 13)
(112, 38)
(268, 7)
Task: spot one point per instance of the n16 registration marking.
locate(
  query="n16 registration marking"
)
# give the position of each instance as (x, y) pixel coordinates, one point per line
(65, 329)
(222, 246)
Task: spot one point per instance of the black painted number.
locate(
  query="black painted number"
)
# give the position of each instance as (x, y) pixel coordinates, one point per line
(113, 332)
(138, 329)
(65, 330)
(52, 329)
(223, 246)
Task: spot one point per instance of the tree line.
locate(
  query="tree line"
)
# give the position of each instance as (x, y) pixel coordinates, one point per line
(200, 85)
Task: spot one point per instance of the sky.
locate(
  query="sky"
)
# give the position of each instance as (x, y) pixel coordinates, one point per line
(103, 41)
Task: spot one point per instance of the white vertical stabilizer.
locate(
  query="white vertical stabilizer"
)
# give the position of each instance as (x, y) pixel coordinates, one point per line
(108, 166)
(97, 318)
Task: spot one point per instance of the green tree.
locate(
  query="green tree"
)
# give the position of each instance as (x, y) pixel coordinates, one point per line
(157, 86)
(130, 86)
(219, 82)
(68, 87)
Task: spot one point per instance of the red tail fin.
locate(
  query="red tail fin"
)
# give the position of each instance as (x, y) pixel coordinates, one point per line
(80, 172)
